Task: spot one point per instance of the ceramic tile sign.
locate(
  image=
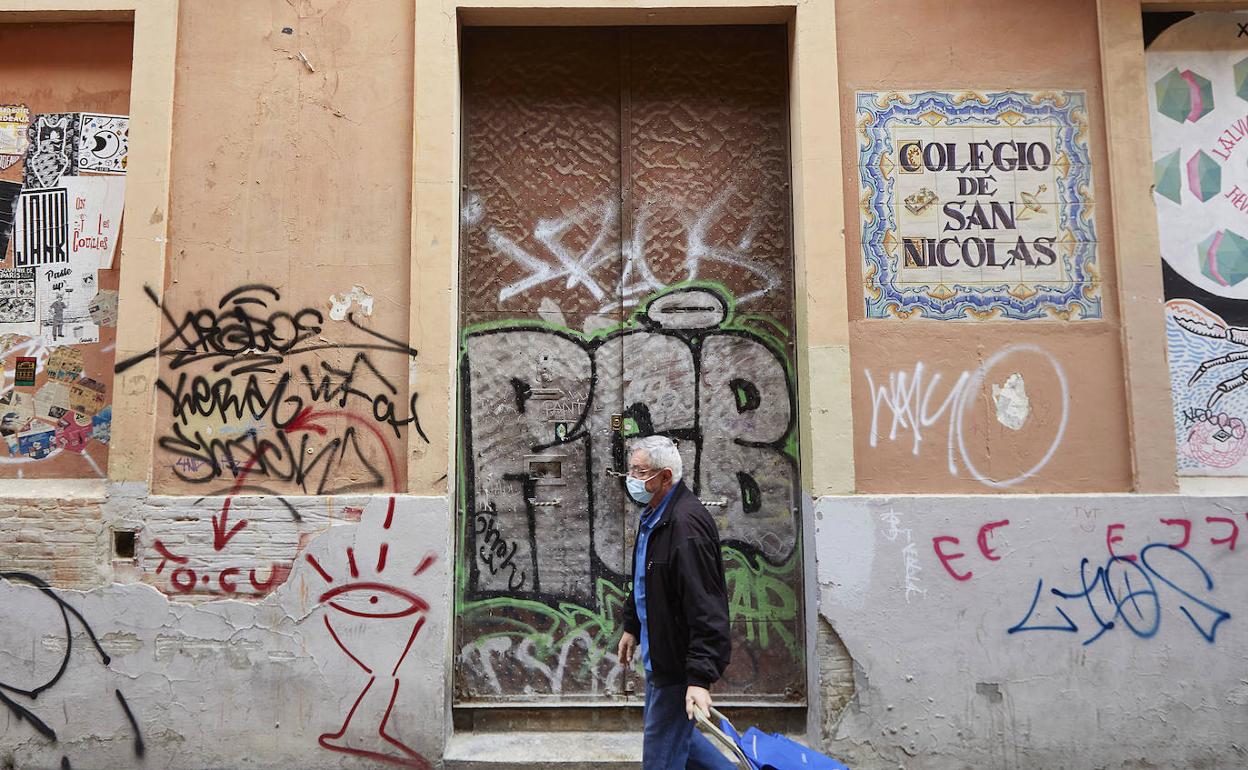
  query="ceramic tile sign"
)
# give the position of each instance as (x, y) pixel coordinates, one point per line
(53, 149)
(14, 122)
(1198, 99)
(977, 205)
(103, 142)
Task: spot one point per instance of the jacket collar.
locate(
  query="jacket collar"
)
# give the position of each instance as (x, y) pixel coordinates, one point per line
(677, 491)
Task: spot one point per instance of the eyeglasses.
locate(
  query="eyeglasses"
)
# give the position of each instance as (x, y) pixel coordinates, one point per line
(641, 472)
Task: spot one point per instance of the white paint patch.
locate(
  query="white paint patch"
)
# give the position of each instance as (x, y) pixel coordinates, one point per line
(846, 532)
(550, 312)
(342, 304)
(1013, 406)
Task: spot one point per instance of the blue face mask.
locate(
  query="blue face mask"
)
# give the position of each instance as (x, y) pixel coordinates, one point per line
(637, 490)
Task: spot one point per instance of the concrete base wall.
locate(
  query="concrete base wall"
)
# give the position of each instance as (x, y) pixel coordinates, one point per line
(1055, 631)
(126, 677)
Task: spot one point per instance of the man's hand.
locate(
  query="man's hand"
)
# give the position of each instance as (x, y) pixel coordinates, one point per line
(697, 696)
(628, 645)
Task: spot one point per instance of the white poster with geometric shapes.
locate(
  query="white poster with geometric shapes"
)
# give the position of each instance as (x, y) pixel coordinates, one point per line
(103, 142)
(1198, 98)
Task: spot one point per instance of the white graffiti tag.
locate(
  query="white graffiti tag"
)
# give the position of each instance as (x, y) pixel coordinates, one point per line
(573, 267)
(913, 398)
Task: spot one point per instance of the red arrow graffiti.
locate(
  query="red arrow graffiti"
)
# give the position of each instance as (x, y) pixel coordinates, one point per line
(306, 420)
(222, 533)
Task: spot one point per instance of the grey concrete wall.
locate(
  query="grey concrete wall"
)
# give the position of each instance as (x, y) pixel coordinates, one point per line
(1055, 631)
(347, 644)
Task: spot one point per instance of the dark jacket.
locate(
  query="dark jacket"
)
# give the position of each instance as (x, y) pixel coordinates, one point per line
(686, 596)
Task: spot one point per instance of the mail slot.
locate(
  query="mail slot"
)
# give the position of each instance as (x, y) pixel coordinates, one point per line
(546, 470)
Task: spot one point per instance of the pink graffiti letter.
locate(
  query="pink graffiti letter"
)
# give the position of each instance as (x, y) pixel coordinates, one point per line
(945, 558)
(1234, 531)
(1111, 538)
(983, 538)
(1186, 524)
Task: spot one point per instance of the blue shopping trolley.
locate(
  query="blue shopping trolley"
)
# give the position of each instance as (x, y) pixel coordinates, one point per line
(757, 750)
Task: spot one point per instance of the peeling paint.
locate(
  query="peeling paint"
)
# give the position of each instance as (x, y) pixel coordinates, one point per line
(341, 304)
(1013, 406)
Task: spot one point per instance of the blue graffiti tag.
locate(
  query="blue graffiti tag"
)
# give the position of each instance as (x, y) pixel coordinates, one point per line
(1122, 600)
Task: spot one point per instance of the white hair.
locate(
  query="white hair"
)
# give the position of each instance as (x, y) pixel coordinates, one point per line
(661, 453)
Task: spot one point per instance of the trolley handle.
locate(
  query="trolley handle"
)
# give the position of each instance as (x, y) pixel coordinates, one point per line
(713, 730)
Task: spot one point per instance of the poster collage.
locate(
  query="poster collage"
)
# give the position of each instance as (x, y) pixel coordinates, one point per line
(62, 189)
(1198, 95)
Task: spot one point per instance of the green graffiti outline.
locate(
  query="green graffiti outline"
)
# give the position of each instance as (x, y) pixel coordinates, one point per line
(759, 625)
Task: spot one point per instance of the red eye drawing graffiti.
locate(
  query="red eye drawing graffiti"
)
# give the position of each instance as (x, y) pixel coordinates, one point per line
(368, 603)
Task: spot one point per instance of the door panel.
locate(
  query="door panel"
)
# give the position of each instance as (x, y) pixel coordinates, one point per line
(626, 271)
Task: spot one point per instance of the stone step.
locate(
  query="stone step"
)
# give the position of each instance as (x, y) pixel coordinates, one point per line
(564, 750)
(536, 750)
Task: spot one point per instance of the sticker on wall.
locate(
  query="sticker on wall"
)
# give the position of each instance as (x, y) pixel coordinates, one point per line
(103, 308)
(65, 293)
(73, 431)
(40, 231)
(17, 411)
(14, 124)
(24, 371)
(103, 141)
(37, 442)
(17, 300)
(65, 363)
(52, 401)
(86, 396)
(10, 192)
(94, 208)
(1198, 97)
(101, 425)
(53, 149)
(977, 205)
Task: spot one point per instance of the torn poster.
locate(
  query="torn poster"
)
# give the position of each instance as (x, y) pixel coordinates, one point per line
(11, 423)
(94, 208)
(102, 425)
(65, 364)
(24, 371)
(40, 229)
(9, 194)
(103, 309)
(103, 142)
(14, 122)
(52, 401)
(16, 413)
(17, 301)
(52, 150)
(86, 396)
(65, 293)
(73, 431)
(36, 443)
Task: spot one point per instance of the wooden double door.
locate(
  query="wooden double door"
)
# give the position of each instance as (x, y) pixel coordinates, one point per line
(626, 270)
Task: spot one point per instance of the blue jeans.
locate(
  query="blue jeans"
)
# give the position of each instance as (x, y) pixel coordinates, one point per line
(672, 741)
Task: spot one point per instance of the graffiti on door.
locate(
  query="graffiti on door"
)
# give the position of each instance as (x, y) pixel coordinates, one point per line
(547, 416)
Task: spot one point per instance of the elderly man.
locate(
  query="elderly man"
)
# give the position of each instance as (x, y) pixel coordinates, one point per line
(677, 612)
